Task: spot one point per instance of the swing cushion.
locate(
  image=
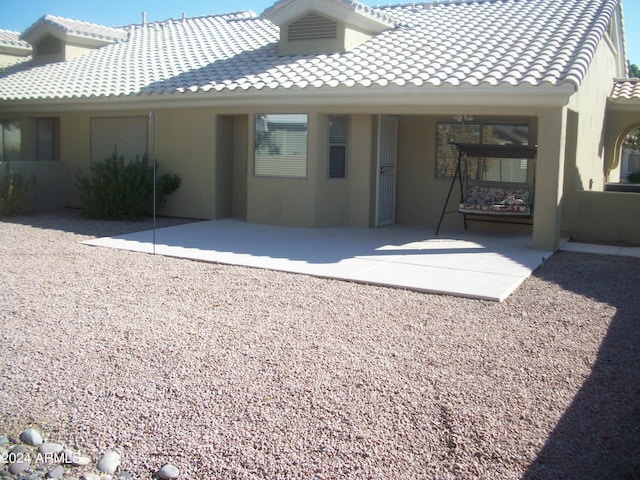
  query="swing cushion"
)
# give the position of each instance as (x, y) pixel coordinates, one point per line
(496, 201)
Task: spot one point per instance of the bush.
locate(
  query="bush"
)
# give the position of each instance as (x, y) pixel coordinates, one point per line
(17, 193)
(119, 190)
(634, 177)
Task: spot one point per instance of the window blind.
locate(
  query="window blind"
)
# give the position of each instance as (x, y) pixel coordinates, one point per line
(281, 145)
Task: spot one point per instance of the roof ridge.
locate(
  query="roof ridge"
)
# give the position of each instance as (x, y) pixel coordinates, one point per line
(236, 16)
(84, 22)
(355, 5)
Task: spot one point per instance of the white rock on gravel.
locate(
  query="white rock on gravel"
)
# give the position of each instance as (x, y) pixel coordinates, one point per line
(31, 437)
(109, 462)
(50, 448)
(168, 471)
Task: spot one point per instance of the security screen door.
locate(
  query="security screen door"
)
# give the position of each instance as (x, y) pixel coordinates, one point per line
(386, 173)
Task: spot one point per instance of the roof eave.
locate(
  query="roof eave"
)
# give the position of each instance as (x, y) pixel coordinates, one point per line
(369, 98)
(15, 50)
(42, 28)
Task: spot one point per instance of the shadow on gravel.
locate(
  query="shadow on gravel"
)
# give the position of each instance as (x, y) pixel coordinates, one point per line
(598, 436)
(71, 221)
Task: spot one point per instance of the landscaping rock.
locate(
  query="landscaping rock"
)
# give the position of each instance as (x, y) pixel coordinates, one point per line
(109, 462)
(18, 467)
(31, 437)
(168, 472)
(56, 472)
(50, 448)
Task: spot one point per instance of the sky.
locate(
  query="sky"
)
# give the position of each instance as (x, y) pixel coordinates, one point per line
(19, 15)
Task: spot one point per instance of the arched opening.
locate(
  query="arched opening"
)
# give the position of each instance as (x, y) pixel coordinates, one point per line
(628, 153)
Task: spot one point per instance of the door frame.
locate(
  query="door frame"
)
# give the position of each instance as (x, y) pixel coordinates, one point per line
(386, 167)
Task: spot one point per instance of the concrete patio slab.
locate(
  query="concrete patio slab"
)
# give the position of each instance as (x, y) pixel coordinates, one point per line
(474, 264)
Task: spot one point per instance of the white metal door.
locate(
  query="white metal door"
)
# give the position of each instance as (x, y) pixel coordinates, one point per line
(386, 173)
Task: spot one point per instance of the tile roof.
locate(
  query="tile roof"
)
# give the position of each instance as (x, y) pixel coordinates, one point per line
(374, 13)
(626, 89)
(12, 39)
(461, 42)
(80, 28)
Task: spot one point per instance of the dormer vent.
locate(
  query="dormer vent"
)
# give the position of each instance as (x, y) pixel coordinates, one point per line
(313, 27)
(48, 45)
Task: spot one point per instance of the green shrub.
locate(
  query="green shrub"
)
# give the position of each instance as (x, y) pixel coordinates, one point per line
(634, 177)
(17, 193)
(118, 190)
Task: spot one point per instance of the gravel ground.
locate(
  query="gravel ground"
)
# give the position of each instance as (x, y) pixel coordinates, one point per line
(232, 372)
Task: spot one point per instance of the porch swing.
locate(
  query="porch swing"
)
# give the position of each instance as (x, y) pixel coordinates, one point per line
(485, 202)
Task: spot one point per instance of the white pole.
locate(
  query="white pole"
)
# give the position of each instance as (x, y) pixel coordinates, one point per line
(154, 166)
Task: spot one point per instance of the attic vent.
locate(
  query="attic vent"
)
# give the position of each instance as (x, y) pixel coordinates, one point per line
(48, 44)
(313, 27)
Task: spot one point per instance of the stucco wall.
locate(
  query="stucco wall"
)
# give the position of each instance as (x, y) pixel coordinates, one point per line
(589, 105)
(603, 217)
(185, 145)
(346, 201)
(588, 213)
(49, 178)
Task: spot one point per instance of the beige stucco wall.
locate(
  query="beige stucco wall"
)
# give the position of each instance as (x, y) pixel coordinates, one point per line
(346, 201)
(603, 217)
(185, 145)
(589, 106)
(588, 213)
(49, 180)
(318, 201)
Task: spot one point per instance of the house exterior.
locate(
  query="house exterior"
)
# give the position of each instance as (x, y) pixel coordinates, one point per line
(325, 113)
(12, 48)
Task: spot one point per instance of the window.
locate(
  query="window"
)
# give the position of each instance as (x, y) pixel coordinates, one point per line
(281, 145)
(46, 139)
(10, 140)
(508, 170)
(337, 147)
(126, 135)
